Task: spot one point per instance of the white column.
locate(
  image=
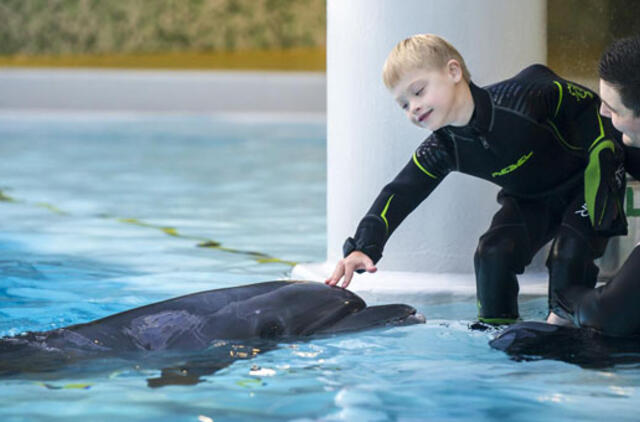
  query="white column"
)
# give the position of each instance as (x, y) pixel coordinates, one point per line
(370, 139)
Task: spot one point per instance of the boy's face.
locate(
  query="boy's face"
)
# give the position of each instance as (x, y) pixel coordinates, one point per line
(622, 118)
(428, 96)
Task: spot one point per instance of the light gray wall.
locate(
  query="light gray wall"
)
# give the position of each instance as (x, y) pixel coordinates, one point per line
(150, 90)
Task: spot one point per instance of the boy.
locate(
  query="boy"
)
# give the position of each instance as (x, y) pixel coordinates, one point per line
(536, 135)
(615, 307)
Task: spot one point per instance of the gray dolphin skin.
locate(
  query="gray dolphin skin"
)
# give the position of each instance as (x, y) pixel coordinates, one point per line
(220, 325)
(588, 348)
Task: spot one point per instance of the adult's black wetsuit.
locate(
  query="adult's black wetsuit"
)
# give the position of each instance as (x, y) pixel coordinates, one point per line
(615, 307)
(542, 139)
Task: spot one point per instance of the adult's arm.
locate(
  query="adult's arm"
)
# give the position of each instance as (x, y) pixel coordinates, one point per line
(575, 113)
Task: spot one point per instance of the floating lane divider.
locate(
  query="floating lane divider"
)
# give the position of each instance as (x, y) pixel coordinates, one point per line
(51, 208)
(203, 242)
(65, 386)
(207, 243)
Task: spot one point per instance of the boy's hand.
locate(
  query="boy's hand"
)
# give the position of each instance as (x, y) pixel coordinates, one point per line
(355, 261)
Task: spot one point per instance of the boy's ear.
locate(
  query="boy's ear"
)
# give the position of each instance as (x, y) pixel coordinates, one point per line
(454, 70)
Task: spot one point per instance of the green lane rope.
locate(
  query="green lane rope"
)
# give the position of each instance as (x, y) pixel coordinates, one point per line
(65, 386)
(6, 198)
(260, 257)
(51, 208)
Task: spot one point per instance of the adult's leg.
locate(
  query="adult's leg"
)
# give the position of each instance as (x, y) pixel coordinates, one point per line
(518, 230)
(613, 308)
(573, 251)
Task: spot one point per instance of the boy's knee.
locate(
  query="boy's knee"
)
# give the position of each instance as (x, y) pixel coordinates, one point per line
(500, 251)
(494, 247)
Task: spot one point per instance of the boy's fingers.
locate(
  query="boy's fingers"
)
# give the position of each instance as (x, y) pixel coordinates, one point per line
(337, 274)
(345, 268)
(348, 275)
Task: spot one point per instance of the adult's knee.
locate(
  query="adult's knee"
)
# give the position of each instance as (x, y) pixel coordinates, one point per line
(601, 316)
(570, 263)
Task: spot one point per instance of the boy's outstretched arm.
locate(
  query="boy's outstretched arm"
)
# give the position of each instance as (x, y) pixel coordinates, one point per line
(431, 162)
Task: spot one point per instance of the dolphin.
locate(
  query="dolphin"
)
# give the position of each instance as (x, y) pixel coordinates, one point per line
(586, 347)
(219, 325)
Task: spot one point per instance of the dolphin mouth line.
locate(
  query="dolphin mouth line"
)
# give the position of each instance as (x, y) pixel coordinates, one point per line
(418, 317)
(413, 318)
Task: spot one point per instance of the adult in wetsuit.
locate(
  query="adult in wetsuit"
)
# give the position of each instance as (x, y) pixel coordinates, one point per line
(615, 307)
(543, 141)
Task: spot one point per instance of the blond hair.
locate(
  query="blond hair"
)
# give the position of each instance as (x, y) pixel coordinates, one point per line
(420, 51)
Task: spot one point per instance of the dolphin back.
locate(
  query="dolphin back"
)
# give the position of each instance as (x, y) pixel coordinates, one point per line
(271, 310)
(209, 321)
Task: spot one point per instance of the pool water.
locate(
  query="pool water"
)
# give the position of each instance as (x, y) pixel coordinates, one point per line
(105, 212)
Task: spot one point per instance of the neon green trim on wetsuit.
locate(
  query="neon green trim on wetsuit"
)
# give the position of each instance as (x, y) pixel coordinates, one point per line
(592, 173)
(601, 131)
(579, 93)
(560, 138)
(559, 98)
(592, 180)
(513, 167)
(424, 170)
(384, 212)
(497, 321)
(494, 321)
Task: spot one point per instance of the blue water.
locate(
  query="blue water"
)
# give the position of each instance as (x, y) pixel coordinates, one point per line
(250, 183)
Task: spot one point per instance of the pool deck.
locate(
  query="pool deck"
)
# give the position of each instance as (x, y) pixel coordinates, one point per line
(162, 90)
(414, 287)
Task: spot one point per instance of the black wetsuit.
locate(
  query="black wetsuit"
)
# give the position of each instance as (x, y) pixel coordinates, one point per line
(543, 141)
(615, 307)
